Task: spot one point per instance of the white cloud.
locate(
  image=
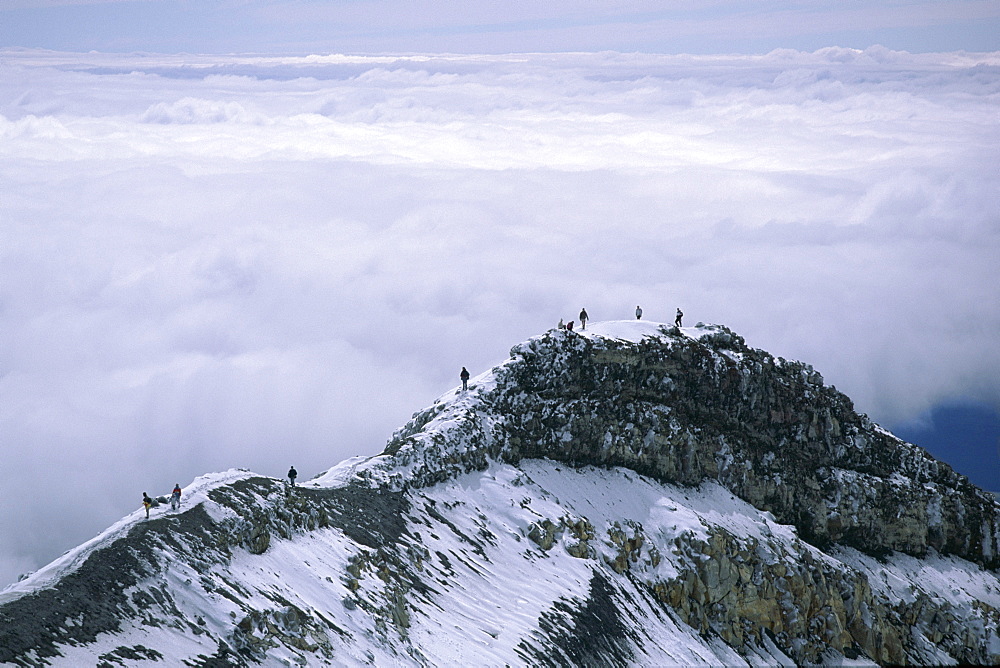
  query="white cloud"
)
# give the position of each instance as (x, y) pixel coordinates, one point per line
(251, 261)
(193, 110)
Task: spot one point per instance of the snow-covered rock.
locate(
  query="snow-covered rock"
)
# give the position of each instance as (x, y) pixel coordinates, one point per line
(629, 494)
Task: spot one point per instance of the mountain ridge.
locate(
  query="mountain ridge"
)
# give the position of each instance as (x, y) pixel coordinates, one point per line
(726, 394)
(671, 495)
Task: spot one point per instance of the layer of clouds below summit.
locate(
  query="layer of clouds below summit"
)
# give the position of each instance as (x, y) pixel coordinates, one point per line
(221, 262)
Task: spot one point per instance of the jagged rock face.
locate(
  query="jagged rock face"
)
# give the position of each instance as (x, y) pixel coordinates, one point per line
(593, 501)
(684, 410)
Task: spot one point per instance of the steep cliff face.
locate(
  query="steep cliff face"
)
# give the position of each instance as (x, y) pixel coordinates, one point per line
(634, 494)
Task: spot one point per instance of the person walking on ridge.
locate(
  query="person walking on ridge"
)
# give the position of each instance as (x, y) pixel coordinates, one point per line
(175, 497)
(292, 475)
(465, 378)
(583, 319)
(146, 503)
(638, 313)
(677, 320)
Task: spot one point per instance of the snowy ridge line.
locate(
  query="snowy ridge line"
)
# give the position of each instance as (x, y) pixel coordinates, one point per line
(369, 469)
(196, 493)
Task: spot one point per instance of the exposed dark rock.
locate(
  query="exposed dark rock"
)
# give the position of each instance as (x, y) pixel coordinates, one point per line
(125, 656)
(582, 633)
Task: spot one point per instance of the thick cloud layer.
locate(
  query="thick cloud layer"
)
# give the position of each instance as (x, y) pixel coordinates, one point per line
(226, 262)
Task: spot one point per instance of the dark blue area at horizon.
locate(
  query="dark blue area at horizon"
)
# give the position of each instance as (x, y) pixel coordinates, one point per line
(966, 437)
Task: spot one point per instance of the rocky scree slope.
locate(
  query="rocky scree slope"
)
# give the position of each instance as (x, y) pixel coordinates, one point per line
(633, 494)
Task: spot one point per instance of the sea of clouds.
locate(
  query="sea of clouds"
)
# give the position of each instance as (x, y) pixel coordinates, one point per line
(216, 262)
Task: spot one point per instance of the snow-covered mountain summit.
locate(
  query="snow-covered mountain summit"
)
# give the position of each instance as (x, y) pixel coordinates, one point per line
(629, 494)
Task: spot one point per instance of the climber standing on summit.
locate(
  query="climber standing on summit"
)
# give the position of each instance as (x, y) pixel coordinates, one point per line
(175, 497)
(677, 320)
(638, 313)
(465, 378)
(292, 475)
(583, 319)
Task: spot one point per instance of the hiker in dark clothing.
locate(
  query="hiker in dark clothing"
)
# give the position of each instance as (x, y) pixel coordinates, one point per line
(677, 320)
(146, 503)
(292, 475)
(465, 378)
(638, 313)
(175, 497)
(569, 325)
(583, 319)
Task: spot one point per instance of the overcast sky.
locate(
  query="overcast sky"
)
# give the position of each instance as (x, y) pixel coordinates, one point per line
(255, 261)
(438, 26)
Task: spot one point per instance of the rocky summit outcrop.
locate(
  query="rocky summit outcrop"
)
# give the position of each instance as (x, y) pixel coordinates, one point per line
(683, 409)
(630, 495)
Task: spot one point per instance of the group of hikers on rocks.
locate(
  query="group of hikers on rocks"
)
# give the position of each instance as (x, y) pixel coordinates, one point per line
(583, 321)
(175, 496)
(151, 502)
(584, 318)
